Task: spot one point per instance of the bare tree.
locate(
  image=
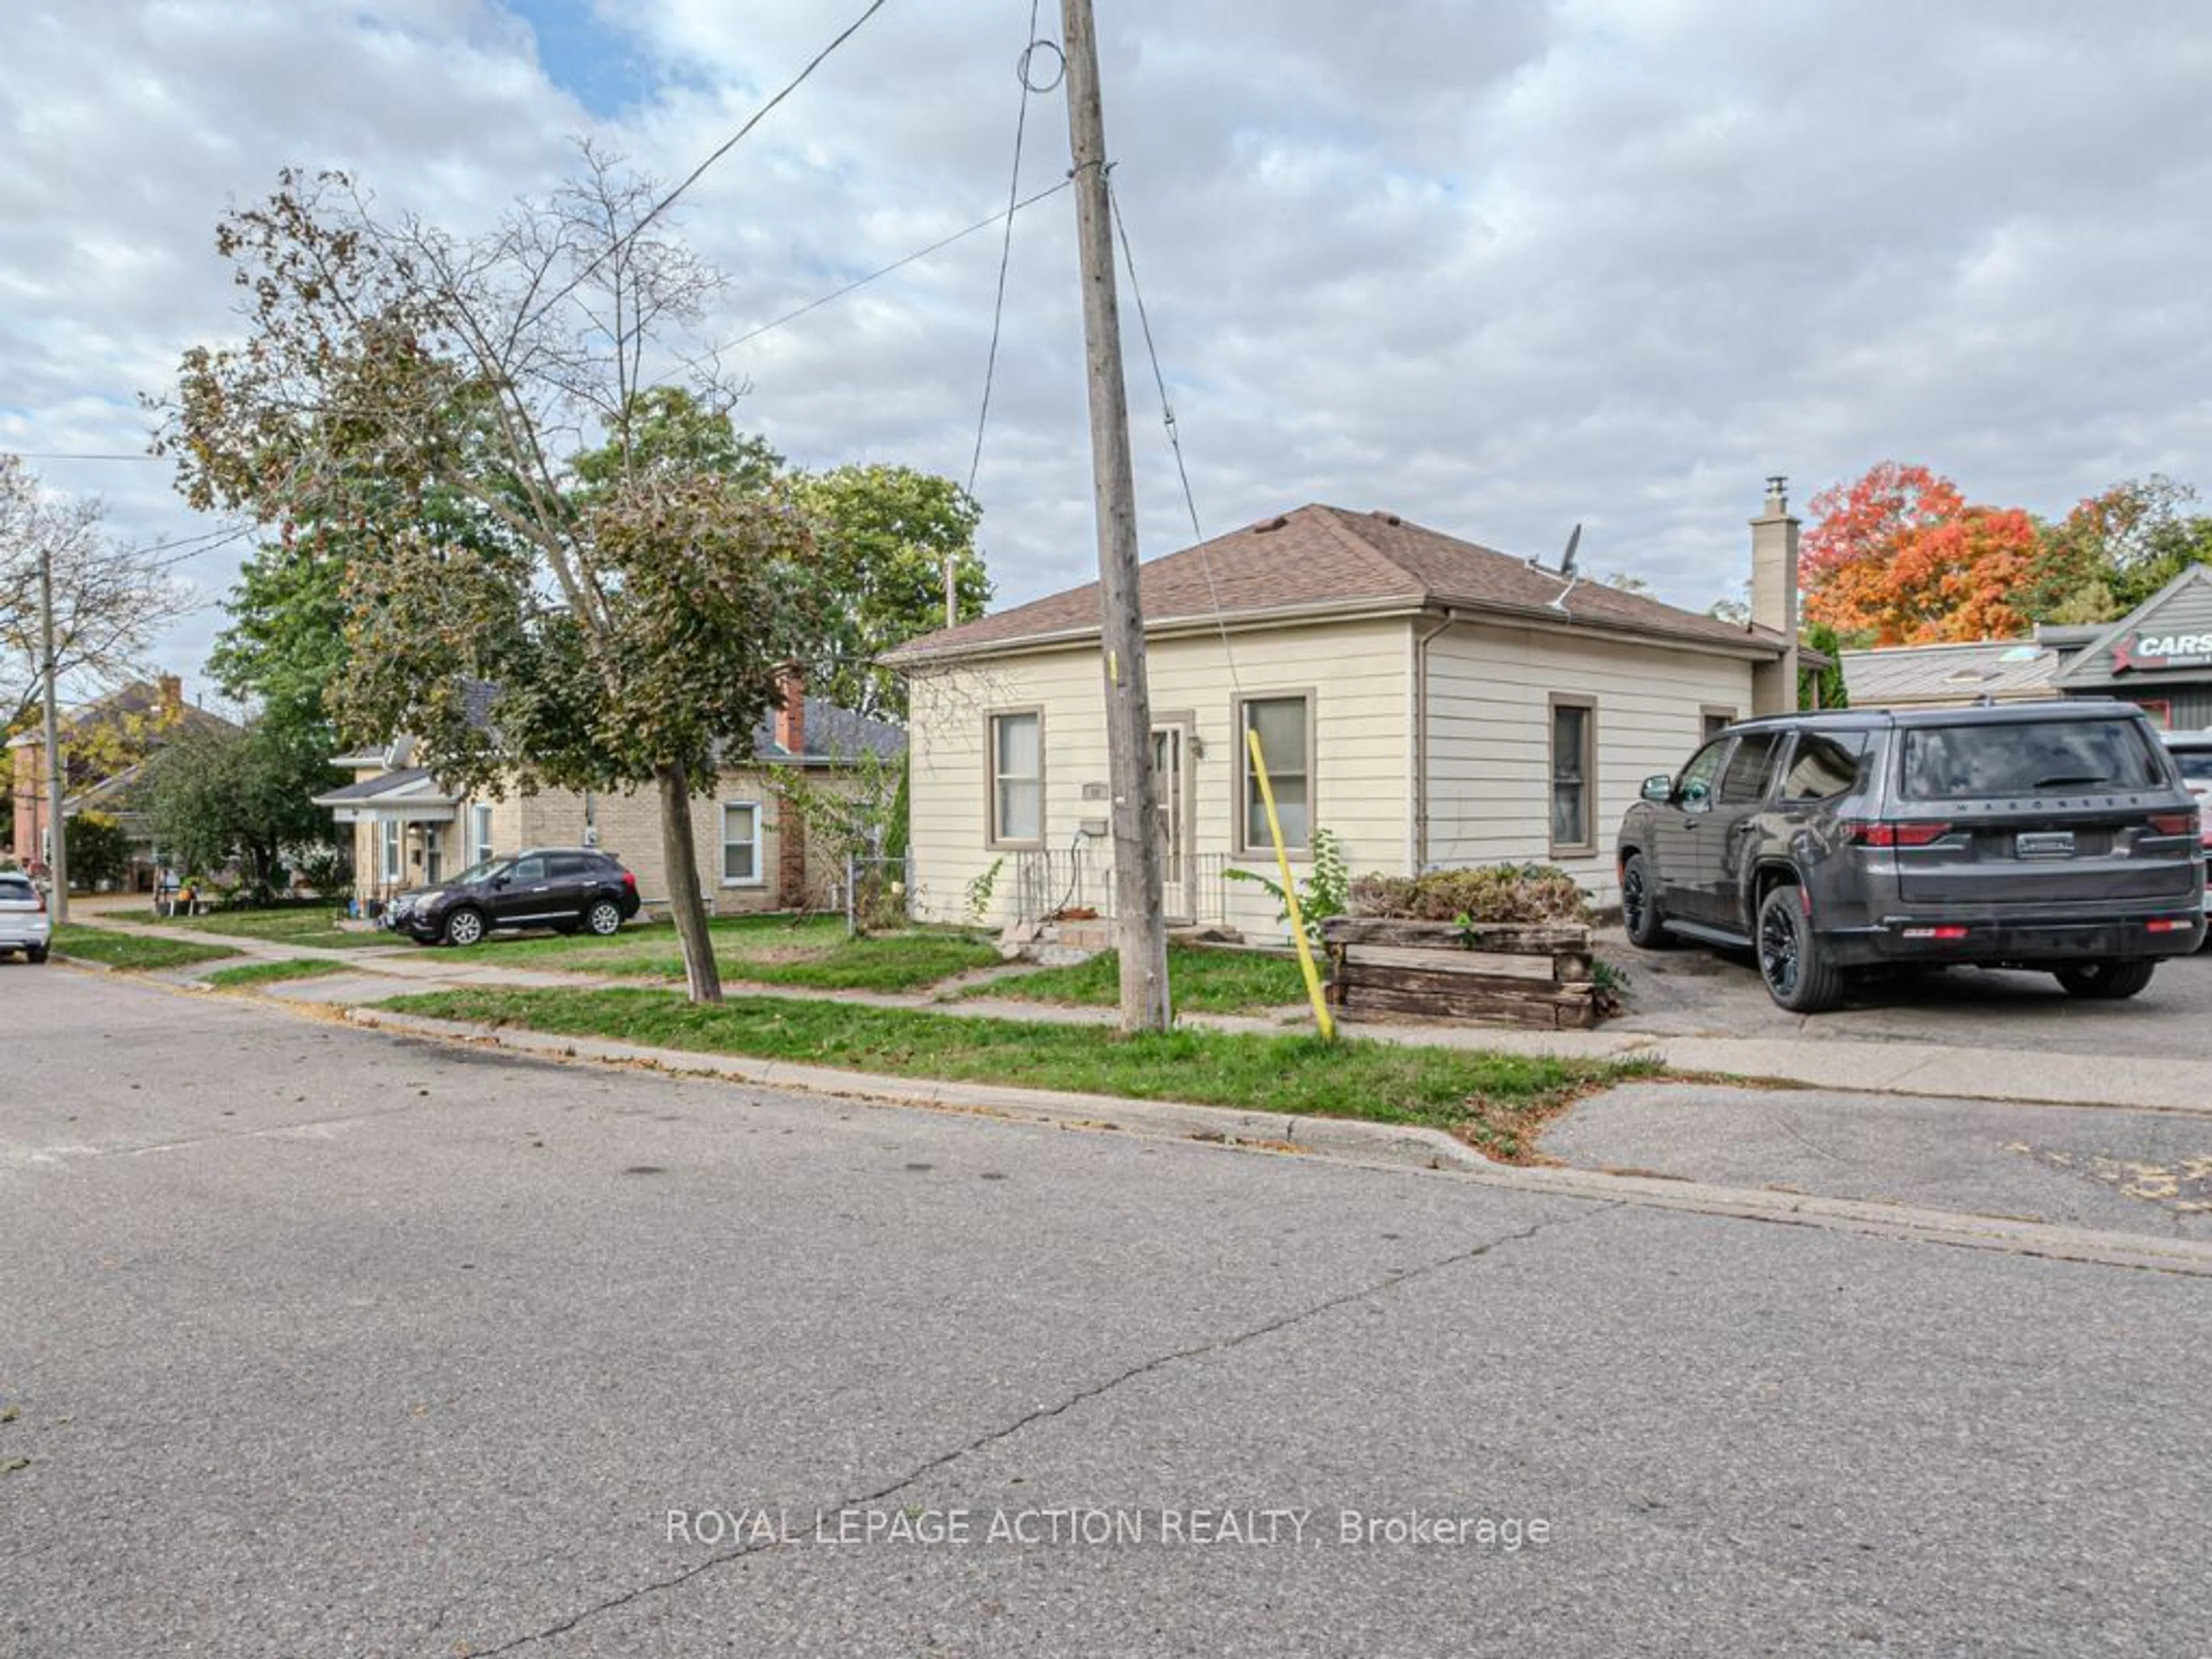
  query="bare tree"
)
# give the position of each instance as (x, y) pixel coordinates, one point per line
(110, 600)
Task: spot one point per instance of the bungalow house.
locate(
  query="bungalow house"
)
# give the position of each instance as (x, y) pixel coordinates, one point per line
(104, 746)
(2159, 655)
(409, 831)
(1427, 701)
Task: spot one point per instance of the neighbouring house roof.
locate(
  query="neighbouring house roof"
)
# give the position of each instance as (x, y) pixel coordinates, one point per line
(2005, 670)
(1321, 561)
(408, 789)
(134, 700)
(832, 734)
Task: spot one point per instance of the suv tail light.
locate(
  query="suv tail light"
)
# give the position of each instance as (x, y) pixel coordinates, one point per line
(38, 893)
(1887, 832)
(629, 881)
(2173, 823)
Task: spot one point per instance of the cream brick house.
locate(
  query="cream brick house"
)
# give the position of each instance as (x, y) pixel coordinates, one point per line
(1428, 701)
(408, 831)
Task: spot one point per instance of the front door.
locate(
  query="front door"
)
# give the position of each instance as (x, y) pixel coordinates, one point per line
(1171, 786)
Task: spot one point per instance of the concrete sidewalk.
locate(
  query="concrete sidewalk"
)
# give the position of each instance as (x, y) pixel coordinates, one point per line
(1937, 1070)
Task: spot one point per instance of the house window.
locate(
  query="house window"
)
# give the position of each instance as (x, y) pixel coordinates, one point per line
(394, 836)
(1286, 729)
(480, 847)
(741, 835)
(1712, 720)
(1018, 778)
(1574, 765)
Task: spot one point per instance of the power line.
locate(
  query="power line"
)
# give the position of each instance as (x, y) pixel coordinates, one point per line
(76, 455)
(1167, 410)
(699, 171)
(1005, 251)
(1175, 438)
(895, 266)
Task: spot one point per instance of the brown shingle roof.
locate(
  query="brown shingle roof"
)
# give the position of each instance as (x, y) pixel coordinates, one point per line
(1322, 557)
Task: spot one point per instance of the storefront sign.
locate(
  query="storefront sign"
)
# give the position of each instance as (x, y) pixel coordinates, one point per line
(2148, 650)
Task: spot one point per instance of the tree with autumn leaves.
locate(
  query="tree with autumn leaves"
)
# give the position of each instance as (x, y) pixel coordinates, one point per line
(1900, 557)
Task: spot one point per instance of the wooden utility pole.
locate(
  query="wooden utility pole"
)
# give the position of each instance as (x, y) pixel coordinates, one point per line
(56, 836)
(1143, 927)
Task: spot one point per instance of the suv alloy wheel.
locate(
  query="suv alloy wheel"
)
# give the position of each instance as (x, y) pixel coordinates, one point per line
(603, 917)
(1798, 974)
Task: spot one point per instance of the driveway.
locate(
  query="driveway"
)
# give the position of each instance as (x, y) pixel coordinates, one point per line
(1693, 992)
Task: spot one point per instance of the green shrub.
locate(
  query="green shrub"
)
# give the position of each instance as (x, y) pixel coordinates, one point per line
(1492, 893)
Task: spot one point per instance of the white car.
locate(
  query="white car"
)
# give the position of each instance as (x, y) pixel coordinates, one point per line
(24, 924)
(2193, 751)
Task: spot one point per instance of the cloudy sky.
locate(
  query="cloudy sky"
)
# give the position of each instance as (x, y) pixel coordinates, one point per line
(1498, 265)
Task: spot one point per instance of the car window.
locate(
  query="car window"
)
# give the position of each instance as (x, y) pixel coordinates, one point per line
(573, 865)
(2195, 765)
(1825, 765)
(14, 890)
(1695, 786)
(528, 870)
(1749, 767)
(2025, 757)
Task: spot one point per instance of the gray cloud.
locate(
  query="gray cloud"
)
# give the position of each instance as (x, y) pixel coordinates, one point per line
(1500, 268)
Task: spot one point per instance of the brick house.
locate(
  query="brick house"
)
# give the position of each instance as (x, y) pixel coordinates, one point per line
(409, 831)
(134, 721)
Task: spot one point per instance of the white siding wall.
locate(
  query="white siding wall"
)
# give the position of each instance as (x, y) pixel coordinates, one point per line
(1356, 673)
(1489, 711)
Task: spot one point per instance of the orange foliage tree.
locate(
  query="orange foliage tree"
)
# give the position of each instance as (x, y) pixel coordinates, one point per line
(1900, 557)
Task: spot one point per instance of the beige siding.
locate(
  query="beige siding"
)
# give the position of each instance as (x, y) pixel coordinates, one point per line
(628, 827)
(1357, 674)
(1489, 716)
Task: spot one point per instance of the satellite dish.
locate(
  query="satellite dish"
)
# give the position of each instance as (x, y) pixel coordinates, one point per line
(1567, 558)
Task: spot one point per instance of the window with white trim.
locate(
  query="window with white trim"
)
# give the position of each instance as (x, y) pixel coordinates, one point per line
(1286, 729)
(480, 847)
(1017, 778)
(394, 838)
(741, 839)
(1574, 766)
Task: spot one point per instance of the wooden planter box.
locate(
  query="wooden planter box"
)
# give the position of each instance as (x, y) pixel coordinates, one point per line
(1499, 974)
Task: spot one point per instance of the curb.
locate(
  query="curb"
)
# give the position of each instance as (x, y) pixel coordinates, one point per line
(1373, 1146)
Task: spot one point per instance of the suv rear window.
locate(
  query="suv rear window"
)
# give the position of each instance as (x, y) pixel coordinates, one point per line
(14, 890)
(2029, 757)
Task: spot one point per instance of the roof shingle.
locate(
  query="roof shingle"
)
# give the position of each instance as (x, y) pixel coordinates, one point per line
(1319, 557)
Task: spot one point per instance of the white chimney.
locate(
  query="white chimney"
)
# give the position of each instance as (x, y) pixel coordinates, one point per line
(1774, 598)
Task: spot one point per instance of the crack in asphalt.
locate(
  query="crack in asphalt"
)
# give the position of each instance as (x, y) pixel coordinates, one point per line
(1591, 1210)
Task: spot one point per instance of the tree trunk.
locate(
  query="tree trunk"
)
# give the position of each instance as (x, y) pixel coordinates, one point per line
(678, 854)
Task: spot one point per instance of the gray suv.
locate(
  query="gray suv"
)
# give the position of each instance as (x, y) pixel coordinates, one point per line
(2052, 835)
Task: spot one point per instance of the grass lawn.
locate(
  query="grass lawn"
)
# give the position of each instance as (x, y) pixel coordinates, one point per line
(271, 973)
(1495, 1101)
(813, 951)
(133, 949)
(306, 924)
(1200, 981)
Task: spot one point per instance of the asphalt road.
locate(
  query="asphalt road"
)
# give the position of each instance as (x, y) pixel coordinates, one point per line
(1690, 990)
(316, 1341)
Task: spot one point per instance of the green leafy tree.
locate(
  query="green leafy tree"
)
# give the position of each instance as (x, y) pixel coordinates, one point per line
(530, 512)
(216, 798)
(1827, 682)
(98, 848)
(887, 534)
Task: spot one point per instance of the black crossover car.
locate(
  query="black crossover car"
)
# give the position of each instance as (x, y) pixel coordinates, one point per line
(563, 888)
(2052, 835)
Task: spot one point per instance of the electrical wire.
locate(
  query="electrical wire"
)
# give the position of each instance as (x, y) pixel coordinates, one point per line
(895, 266)
(699, 171)
(1175, 438)
(1006, 249)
